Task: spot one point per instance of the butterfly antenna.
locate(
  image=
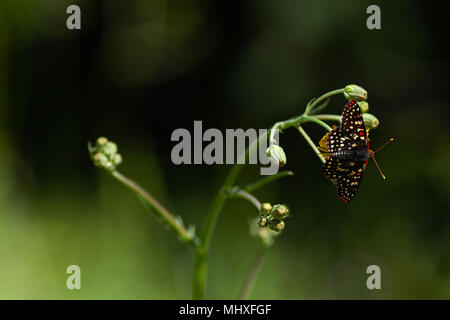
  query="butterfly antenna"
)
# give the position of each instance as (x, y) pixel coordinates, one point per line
(384, 145)
(375, 160)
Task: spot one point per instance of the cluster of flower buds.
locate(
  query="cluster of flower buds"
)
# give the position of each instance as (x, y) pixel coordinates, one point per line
(105, 154)
(273, 216)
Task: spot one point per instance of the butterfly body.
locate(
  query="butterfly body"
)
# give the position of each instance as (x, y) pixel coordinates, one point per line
(356, 155)
(346, 152)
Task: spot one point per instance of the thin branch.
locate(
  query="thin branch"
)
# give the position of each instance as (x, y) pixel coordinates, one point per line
(239, 193)
(325, 96)
(252, 274)
(158, 210)
(319, 122)
(262, 182)
(201, 253)
(296, 121)
(311, 143)
(319, 107)
(329, 117)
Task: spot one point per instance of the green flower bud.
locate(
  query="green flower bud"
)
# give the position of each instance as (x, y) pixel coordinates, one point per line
(104, 154)
(110, 149)
(354, 92)
(102, 141)
(264, 235)
(276, 225)
(117, 159)
(261, 221)
(370, 121)
(279, 211)
(276, 154)
(266, 208)
(100, 160)
(364, 106)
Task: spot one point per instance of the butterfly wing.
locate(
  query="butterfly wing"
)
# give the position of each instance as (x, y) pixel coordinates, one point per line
(333, 168)
(352, 124)
(335, 141)
(348, 184)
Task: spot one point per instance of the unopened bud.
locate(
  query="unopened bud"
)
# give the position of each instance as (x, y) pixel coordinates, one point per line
(110, 149)
(117, 159)
(100, 160)
(266, 208)
(355, 92)
(370, 121)
(102, 141)
(276, 225)
(261, 221)
(276, 154)
(364, 106)
(279, 211)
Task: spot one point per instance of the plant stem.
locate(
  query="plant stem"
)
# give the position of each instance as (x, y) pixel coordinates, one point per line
(258, 184)
(252, 274)
(318, 108)
(318, 121)
(329, 117)
(201, 253)
(311, 143)
(311, 106)
(296, 121)
(158, 210)
(238, 193)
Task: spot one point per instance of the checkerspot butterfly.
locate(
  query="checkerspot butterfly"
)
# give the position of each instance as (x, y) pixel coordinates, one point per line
(346, 152)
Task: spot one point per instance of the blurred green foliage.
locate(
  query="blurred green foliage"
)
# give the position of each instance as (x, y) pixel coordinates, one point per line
(140, 69)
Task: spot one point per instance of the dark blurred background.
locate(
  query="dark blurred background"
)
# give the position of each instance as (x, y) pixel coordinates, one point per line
(139, 69)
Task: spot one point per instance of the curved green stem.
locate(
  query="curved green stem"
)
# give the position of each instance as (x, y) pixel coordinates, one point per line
(260, 183)
(310, 107)
(158, 210)
(217, 205)
(239, 193)
(311, 143)
(294, 122)
(201, 253)
(328, 117)
(253, 272)
(318, 121)
(319, 108)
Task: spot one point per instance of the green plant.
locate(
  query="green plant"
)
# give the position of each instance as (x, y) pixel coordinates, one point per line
(269, 221)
